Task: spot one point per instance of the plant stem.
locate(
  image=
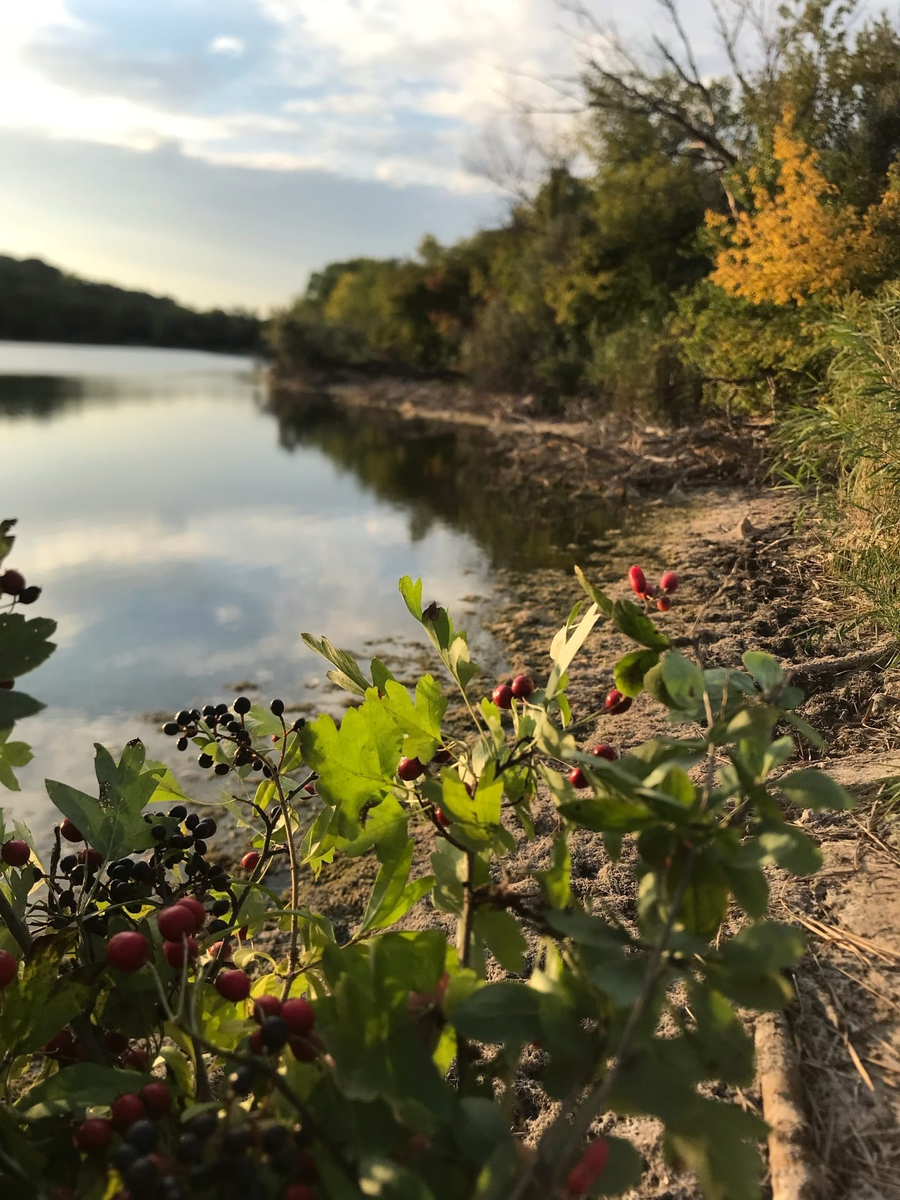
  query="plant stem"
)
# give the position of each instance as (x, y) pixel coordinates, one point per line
(572, 1122)
(14, 924)
(293, 953)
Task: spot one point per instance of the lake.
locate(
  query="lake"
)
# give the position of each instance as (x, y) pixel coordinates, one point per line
(186, 531)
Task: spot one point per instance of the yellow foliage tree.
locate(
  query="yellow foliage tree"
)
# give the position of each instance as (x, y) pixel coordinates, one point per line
(801, 240)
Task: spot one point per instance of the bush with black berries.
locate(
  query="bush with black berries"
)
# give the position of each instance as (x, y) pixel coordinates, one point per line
(152, 1048)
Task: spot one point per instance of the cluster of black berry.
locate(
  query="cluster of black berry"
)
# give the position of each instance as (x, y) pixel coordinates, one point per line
(225, 726)
(181, 837)
(243, 1158)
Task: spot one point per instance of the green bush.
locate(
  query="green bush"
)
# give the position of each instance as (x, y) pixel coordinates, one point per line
(149, 1040)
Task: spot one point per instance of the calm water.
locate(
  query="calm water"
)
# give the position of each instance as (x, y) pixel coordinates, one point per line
(186, 530)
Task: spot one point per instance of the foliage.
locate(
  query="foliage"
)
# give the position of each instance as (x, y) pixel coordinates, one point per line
(399, 1078)
(40, 302)
(844, 441)
(803, 240)
(670, 265)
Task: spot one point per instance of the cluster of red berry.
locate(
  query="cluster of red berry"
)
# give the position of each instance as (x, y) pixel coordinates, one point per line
(663, 594)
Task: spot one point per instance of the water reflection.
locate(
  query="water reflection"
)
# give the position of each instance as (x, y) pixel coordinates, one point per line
(442, 474)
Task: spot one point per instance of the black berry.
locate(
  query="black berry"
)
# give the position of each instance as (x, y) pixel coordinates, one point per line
(273, 1138)
(241, 705)
(184, 717)
(221, 907)
(178, 812)
(67, 864)
(237, 1140)
(205, 760)
(222, 768)
(275, 1032)
(171, 728)
(203, 1125)
(241, 1081)
(189, 1148)
(142, 1135)
(206, 828)
(181, 744)
(29, 595)
(277, 707)
(159, 832)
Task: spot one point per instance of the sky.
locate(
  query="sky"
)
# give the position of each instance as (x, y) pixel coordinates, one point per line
(219, 150)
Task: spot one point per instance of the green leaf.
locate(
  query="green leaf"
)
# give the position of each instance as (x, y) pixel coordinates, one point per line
(357, 762)
(563, 649)
(805, 730)
(380, 674)
(723, 1045)
(383, 1178)
(112, 823)
(395, 851)
(43, 1001)
(764, 669)
(24, 644)
(420, 722)
(601, 599)
(16, 706)
(12, 754)
(500, 1013)
(792, 849)
(556, 880)
(629, 619)
(7, 540)
(684, 682)
(412, 595)
(501, 933)
(348, 674)
(631, 669)
(719, 1143)
(623, 1169)
(79, 1087)
(811, 788)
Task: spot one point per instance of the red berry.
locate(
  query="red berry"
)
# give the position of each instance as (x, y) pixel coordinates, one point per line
(522, 687)
(616, 703)
(409, 769)
(127, 951)
(638, 581)
(265, 1006)
(136, 1058)
(669, 582)
(579, 1181)
(596, 1156)
(310, 788)
(233, 985)
(93, 1135)
(126, 1110)
(299, 1191)
(15, 852)
(70, 831)
(192, 904)
(664, 604)
(442, 756)
(256, 1042)
(9, 968)
(299, 1014)
(175, 921)
(157, 1099)
(62, 1043)
(90, 858)
(250, 859)
(303, 1049)
(12, 582)
(441, 817)
(7, 685)
(217, 946)
(174, 952)
(604, 751)
(502, 695)
(577, 778)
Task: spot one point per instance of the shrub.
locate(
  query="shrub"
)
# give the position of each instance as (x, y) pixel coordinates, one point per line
(387, 1065)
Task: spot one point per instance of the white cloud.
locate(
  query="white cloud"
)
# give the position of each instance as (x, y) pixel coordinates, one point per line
(427, 76)
(233, 47)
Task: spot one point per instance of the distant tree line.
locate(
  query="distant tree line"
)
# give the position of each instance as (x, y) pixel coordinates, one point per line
(721, 226)
(38, 302)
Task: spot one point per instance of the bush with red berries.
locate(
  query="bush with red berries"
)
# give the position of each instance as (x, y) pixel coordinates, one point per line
(152, 1046)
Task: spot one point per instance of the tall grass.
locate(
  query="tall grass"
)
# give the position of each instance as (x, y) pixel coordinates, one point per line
(846, 445)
